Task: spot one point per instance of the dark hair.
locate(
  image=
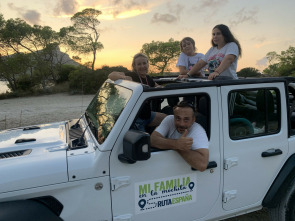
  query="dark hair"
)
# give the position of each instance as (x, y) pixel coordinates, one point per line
(185, 104)
(228, 37)
(188, 39)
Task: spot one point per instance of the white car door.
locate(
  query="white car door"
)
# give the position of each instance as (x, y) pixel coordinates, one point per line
(164, 186)
(255, 141)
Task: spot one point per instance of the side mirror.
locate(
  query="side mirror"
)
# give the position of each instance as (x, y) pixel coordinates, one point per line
(136, 146)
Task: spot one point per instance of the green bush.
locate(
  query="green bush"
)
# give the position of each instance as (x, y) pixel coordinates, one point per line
(115, 68)
(63, 74)
(249, 72)
(88, 82)
(25, 83)
(76, 81)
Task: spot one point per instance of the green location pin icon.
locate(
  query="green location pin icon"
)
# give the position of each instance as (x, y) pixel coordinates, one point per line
(191, 185)
(142, 203)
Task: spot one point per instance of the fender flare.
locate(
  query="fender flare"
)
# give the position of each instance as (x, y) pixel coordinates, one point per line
(26, 210)
(280, 184)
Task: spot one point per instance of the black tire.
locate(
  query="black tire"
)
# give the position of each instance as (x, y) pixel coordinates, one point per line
(285, 210)
(26, 210)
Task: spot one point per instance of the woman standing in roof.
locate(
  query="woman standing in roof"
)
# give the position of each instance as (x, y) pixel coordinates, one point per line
(222, 57)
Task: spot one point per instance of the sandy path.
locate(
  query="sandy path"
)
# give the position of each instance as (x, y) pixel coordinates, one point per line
(41, 109)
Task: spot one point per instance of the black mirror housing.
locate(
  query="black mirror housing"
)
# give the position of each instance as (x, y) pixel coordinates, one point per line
(136, 146)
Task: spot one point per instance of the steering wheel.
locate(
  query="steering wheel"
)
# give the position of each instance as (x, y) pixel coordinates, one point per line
(240, 127)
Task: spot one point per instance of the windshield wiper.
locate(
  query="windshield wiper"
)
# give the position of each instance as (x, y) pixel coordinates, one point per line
(77, 125)
(80, 142)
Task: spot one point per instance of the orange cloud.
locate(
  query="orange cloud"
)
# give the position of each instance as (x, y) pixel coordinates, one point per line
(109, 14)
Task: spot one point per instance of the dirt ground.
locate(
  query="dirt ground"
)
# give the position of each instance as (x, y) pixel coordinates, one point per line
(26, 111)
(57, 107)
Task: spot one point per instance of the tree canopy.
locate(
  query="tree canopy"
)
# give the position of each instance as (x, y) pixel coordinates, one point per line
(281, 64)
(249, 72)
(29, 52)
(161, 54)
(31, 56)
(13, 69)
(85, 33)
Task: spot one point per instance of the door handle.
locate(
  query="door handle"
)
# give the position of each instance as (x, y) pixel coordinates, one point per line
(211, 164)
(271, 152)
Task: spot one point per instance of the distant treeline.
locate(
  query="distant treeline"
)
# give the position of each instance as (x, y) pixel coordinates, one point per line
(31, 61)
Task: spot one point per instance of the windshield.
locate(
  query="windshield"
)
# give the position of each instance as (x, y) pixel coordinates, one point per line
(105, 108)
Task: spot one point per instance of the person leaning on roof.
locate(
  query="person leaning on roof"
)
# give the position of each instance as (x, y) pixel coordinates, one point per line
(188, 56)
(221, 58)
(140, 66)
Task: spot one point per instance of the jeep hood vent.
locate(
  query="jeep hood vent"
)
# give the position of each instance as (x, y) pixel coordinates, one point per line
(48, 138)
(31, 128)
(25, 140)
(15, 154)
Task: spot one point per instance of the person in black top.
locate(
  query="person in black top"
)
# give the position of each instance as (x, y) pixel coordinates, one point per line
(140, 68)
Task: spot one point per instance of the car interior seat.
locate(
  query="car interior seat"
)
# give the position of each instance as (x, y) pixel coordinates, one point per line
(172, 101)
(266, 109)
(203, 113)
(239, 125)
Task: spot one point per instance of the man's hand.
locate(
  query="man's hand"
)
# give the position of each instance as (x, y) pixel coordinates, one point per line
(128, 78)
(115, 75)
(184, 143)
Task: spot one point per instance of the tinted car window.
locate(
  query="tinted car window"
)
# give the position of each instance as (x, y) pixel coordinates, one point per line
(253, 112)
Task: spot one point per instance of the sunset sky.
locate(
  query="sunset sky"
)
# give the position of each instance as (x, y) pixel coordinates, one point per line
(261, 26)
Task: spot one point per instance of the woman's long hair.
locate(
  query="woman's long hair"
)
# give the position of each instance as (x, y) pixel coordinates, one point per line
(228, 37)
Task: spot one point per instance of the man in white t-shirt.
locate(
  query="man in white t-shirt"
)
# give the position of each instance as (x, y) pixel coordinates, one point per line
(180, 132)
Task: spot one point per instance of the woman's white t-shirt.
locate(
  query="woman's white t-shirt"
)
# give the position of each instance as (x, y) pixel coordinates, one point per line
(189, 61)
(215, 56)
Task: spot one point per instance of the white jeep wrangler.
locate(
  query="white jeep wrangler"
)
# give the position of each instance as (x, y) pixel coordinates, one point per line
(99, 168)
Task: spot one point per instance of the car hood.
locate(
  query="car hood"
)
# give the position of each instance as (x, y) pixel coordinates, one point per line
(46, 136)
(33, 157)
